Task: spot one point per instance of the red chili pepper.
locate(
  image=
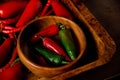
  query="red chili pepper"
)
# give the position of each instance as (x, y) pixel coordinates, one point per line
(14, 56)
(11, 30)
(11, 8)
(14, 72)
(48, 31)
(5, 49)
(10, 20)
(30, 12)
(11, 35)
(7, 27)
(39, 59)
(53, 46)
(49, 12)
(46, 8)
(60, 10)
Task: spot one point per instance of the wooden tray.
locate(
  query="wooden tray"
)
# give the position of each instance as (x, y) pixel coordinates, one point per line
(101, 46)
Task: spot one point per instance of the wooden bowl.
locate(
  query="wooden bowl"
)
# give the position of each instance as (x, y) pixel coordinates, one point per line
(31, 28)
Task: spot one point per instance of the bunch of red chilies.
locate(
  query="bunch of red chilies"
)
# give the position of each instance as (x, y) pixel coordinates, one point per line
(14, 15)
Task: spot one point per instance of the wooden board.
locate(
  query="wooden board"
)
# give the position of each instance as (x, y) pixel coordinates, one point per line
(104, 45)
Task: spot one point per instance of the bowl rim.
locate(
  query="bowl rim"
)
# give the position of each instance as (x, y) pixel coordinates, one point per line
(45, 67)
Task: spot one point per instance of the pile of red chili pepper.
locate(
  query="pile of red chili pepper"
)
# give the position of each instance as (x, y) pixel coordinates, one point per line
(14, 15)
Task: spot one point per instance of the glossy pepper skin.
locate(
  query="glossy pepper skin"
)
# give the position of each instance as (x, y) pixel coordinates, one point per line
(67, 41)
(13, 73)
(54, 46)
(5, 49)
(10, 20)
(46, 8)
(54, 59)
(11, 8)
(60, 10)
(11, 30)
(14, 56)
(50, 30)
(7, 27)
(31, 10)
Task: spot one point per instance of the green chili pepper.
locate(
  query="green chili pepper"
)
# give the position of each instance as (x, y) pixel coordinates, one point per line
(67, 41)
(51, 57)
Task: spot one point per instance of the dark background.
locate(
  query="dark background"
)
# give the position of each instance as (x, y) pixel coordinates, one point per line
(107, 13)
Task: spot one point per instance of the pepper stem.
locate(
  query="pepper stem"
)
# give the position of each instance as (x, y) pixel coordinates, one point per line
(65, 62)
(61, 26)
(16, 60)
(41, 37)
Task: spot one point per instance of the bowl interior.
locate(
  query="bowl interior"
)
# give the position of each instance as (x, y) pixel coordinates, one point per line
(38, 24)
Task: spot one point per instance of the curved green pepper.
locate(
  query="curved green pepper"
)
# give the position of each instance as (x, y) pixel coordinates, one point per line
(67, 41)
(51, 57)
